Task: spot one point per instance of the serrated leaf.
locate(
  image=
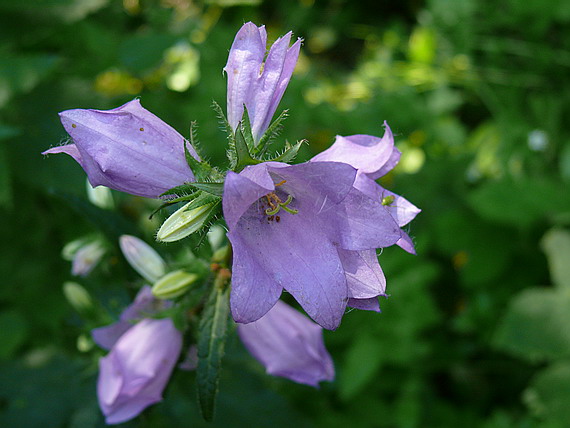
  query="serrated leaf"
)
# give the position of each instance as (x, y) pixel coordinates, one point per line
(289, 154)
(211, 342)
(271, 133)
(556, 245)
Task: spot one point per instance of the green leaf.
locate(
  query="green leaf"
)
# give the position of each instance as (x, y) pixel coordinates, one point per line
(289, 154)
(549, 394)
(520, 202)
(211, 342)
(556, 245)
(273, 130)
(535, 326)
(5, 178)
(15, 331)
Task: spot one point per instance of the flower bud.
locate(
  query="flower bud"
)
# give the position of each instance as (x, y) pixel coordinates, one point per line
(184, 222)
(86, 257)
(142, 257)
(173, 284)
(100, 196)
(78, 297)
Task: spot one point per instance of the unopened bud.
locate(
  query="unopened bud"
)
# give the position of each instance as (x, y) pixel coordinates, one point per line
(87, 257)
(78, 297)
(142, 257)
(100, 196)
(184, 222)
(173, 284)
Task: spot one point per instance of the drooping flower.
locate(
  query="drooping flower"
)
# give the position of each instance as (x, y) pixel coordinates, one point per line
(288, 344)
(292, 227)
(134, 374)
(127, 148)
(373, 157)
(258, 84)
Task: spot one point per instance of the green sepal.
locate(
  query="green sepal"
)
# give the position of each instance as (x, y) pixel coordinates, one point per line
(201, 169)
(245, 126)
(273, 130)
(211, 342)
(243, 156)
(289, 154)
(225, 125)
(216, 189)
(188, 192)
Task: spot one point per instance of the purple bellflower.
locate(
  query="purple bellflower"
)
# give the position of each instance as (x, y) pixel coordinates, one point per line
(288, 344)
(374, 157)
(134, 374)
(127, 149)
(301, 228)
(258, 84)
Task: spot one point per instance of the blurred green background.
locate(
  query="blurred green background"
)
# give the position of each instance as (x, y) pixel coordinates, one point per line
(476, 332)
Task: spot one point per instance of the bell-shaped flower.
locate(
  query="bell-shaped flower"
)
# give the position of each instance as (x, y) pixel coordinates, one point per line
(288, 344)
(145, 305)
(134, 374)
(127, 148)
(257, 84)
(291, 228)
(374, 157)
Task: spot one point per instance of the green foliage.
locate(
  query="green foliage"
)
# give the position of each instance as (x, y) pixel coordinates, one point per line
(211, 343)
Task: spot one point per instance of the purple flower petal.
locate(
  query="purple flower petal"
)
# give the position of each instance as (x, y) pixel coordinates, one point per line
(406, 243)
(400, 208)
(366, 153)
(127, 149)
(136, 371)
(243, 68)
(364, 276)
(296, 254)
(288, 344)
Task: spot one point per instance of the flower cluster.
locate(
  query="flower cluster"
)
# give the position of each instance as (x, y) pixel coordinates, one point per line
(311, 229)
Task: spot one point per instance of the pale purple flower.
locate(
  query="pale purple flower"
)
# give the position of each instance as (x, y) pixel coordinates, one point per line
(144, 305)
(134, 374)
(308, 246)
(288, 344)
(127, 148)
(374, 157)
(257, 84)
